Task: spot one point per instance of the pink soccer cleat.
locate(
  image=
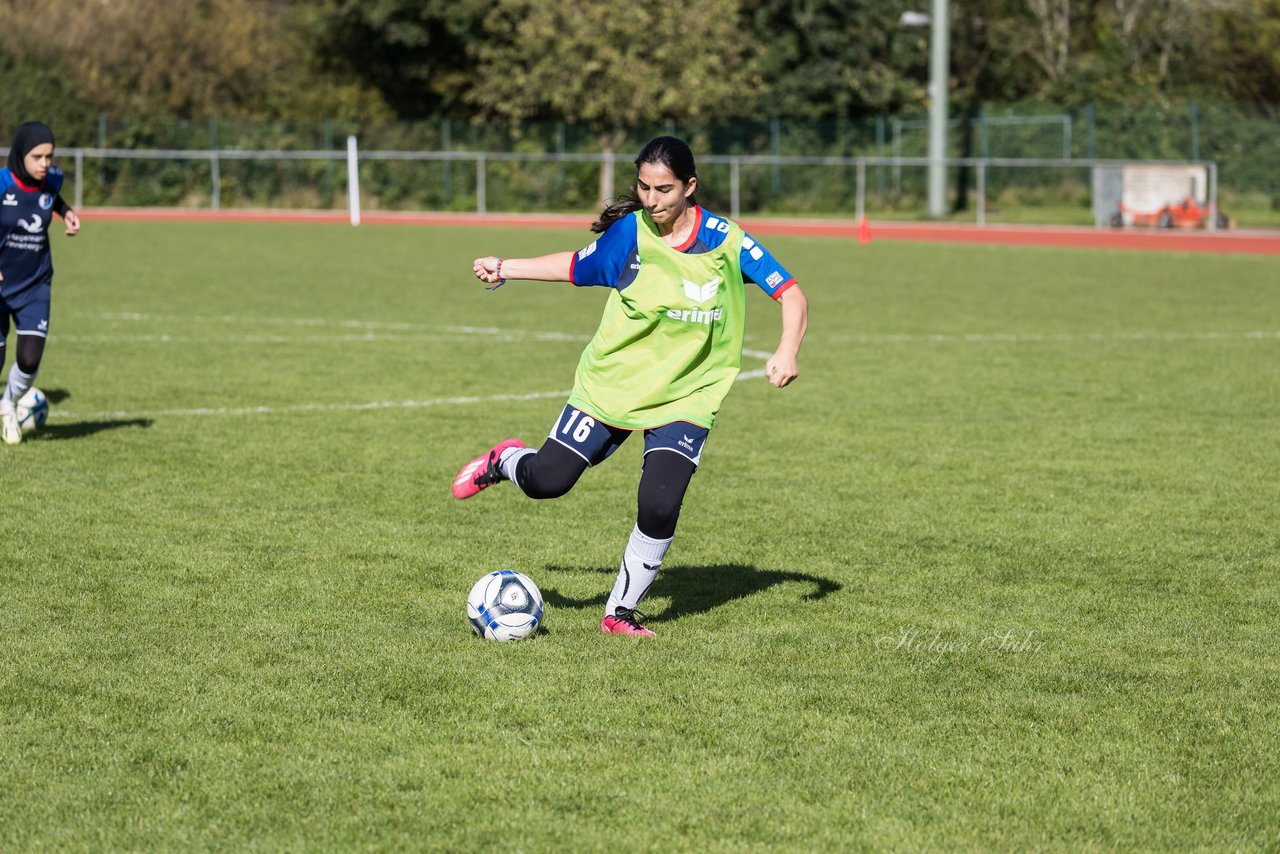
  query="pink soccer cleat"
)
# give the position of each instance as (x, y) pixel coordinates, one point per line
(483, 471)
(623, 622)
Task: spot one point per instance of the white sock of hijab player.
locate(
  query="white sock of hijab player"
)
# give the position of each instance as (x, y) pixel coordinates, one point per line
(640, 564)
(19, 382)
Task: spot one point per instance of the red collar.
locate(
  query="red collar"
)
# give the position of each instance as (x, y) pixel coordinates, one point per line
(693, 235)
(23, 186)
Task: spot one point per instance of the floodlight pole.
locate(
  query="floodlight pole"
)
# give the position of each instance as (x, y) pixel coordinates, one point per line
(939, 82)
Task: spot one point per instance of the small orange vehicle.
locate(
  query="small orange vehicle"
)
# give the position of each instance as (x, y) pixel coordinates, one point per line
(1186, 214)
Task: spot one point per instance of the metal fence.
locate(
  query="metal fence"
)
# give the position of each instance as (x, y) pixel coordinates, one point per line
(888, 171)
(1244, 140)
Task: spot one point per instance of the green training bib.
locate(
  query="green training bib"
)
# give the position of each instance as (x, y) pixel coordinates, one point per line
(669, 345)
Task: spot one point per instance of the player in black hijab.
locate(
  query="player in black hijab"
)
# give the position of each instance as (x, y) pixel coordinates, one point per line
(28, 136)
(29, 196)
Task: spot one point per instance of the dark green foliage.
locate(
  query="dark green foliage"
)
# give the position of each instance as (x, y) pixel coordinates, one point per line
(34, 91)
(789, 58)
(414, 53)
(834, 58)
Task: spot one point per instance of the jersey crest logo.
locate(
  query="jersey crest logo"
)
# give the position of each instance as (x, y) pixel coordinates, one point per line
(34, 226)
(701, 293)
(46, 201)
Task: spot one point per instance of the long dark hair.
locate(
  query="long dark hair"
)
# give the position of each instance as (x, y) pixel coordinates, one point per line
(665, 151)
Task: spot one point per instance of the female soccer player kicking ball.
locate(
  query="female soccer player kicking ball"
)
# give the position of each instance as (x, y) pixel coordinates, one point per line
(28, 195)
(666, 353)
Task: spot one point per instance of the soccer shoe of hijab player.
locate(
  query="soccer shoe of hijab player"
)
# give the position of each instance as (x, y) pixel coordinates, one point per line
(483, 471)
(623, 622)
(9, 426)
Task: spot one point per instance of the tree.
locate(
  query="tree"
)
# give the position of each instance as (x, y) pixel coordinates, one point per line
(1144, 51)
(835, 58)
(194, 59)
(1243, 50)
(1051, 47)
(31, 91)
(610, 64)
(413, 52)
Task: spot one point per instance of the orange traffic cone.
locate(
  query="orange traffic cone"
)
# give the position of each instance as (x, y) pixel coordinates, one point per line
(864, 231)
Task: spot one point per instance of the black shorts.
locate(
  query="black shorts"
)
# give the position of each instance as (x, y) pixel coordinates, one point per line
(594, 441)
(30, 310)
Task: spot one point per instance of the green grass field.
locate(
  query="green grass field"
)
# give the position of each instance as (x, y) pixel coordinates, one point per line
(1001, 570)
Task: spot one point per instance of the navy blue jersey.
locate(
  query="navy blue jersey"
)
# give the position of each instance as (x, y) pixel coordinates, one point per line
(25, 216)
(614, 258)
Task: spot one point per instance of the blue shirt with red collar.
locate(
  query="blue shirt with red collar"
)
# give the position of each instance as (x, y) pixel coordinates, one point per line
(25, 216)
(613, 260)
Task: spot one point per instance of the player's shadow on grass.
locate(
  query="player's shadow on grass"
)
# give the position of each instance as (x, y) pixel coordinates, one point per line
(698, 589)
(80, 429)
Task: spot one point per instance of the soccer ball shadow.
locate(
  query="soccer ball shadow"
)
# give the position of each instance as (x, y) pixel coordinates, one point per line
(697, 589)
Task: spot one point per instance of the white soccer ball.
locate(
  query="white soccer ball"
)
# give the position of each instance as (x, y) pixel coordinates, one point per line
(33, 409)
(505, 606)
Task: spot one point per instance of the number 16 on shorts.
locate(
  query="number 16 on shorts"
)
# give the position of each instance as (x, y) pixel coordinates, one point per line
(585, 436)
(576, 425)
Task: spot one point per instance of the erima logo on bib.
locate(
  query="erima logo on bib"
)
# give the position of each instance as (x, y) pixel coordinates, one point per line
(701, 293)
(695, 315)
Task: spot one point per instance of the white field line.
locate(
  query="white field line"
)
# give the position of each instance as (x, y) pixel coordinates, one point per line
(355, 338)
(1053, 337)
(304, 407)
(488, 333)
(519, 336)
(368, 329)
(376, 331)
(123, 415)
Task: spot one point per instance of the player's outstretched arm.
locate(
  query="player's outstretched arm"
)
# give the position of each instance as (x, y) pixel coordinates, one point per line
(781, 368)
(546, 268)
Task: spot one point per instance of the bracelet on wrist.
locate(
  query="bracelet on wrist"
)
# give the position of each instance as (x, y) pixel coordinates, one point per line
(497, 271)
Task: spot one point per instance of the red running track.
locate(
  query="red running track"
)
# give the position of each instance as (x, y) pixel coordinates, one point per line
(1232, 242)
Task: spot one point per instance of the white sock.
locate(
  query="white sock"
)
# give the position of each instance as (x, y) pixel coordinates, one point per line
(508, 460)
(640, 564)
(19, 382)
